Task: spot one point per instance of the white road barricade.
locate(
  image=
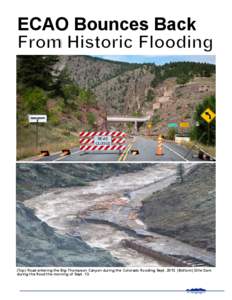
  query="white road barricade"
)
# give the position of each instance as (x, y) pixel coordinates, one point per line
(102, 140)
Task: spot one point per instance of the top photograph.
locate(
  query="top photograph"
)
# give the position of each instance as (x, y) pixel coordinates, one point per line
(116, 108)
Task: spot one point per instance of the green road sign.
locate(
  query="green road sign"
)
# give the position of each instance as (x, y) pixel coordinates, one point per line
(172, 125)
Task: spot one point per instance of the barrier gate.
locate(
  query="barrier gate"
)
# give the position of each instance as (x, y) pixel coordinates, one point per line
(102, 140)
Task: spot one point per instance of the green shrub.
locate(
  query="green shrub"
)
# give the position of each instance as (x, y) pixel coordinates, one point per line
(54, 119)
(155, 118)
(35, 100)
(87, 97)
(78, 115)
(171, 133)
(183, 71)
(91, 118)
(137, 114)
(182, 79)
(129, 126)
(204, 133)
(150, 95)
(70, 91)
(65, 132)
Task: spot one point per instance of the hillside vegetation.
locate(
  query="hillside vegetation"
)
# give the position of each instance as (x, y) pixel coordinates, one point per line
(43, 90)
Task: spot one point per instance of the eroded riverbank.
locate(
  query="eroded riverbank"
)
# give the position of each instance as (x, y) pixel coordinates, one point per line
(107, 211)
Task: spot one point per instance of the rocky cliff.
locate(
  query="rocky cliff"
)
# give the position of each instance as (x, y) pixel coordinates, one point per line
(143, 89)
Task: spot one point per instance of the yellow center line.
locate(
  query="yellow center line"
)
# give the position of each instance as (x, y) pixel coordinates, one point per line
(124, 152)
(121, 155)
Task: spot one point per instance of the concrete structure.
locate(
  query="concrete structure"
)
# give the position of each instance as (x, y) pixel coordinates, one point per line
(156, 106)
(124, 119)
(181, 139)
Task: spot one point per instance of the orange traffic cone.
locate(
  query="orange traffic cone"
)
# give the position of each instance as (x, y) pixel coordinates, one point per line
(159, 148)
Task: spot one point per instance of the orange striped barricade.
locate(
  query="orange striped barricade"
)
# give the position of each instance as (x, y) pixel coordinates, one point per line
(102, 141)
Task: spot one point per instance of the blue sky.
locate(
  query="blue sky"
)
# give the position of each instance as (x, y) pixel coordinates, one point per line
(160, 60)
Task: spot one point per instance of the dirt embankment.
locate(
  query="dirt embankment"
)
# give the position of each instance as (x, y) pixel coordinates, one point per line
(38, 245)
(185, 211)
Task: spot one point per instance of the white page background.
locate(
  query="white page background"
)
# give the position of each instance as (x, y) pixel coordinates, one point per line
(213, 21)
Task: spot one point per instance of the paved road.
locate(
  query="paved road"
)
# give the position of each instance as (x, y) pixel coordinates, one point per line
(145, 146)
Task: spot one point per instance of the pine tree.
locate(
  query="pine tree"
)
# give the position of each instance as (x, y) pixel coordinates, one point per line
(36, 70)
(204, 132)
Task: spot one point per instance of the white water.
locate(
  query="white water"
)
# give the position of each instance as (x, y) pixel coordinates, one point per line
(59, 208)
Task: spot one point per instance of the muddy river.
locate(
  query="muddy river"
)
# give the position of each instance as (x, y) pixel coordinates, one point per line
(113, 201)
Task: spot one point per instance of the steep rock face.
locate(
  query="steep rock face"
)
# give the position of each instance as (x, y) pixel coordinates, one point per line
(38, 245)
(89, 72)
(126, 93)
(185, 210)
(177, 102)
(120, 88)
(127, 89)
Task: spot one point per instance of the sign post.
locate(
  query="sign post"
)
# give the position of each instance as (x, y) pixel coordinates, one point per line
(183, 126)
(149, 127)
(208, 115)
(37, 119)
(37, 135)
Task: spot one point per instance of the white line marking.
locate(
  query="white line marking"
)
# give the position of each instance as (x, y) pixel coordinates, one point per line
(175, 152)
(61, 157)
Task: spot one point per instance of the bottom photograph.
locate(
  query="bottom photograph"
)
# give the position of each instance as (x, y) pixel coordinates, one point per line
(115, 215)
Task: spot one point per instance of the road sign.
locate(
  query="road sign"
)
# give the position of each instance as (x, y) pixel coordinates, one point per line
(171, 125)
(208, 115)
(184, 124)
(103, 140)
(149, 125)
(37, 118)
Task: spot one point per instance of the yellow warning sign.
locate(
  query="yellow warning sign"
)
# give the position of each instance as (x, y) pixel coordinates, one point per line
(184, 124)
(208, 115)
(149, 125)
